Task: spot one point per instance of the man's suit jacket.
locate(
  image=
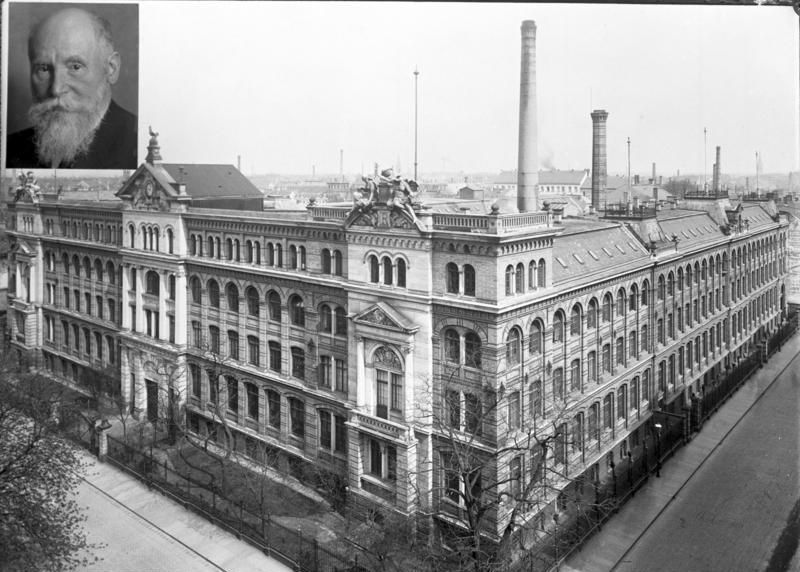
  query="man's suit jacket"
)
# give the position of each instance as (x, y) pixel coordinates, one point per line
(114, 145)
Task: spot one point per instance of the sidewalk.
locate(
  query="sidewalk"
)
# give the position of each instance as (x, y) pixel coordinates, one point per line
(185, 531)
(610, 545)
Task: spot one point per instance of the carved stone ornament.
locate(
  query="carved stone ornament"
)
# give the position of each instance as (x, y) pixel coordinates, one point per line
(27, 190)
(378, 316)
(146, 195)
(385, 356)
(393, 196)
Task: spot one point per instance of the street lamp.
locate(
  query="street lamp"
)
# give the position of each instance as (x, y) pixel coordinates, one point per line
(658, 449)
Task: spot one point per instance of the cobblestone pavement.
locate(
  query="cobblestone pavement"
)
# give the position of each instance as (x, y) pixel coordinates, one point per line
(146, 532)
(723, 500)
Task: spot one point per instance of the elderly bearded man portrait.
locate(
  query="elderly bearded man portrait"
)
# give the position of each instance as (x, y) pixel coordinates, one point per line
(76, 123)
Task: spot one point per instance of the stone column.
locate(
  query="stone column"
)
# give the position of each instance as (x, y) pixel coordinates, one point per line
(126, 286)
(361, 375)
(181, 325)
(139, 305)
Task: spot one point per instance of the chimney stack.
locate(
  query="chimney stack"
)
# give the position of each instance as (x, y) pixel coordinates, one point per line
(528, 165)
(716, 172)
(654, 173)
(599, 173)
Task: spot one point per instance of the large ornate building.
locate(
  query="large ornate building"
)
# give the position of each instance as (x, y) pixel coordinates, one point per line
(424, 352)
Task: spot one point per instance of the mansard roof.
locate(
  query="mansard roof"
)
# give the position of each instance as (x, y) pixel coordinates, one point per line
(208, 180)
(588, 251)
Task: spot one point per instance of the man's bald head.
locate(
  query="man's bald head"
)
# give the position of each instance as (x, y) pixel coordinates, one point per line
(76, 19)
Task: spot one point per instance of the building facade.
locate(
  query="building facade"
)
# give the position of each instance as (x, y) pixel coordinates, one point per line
(376, 341)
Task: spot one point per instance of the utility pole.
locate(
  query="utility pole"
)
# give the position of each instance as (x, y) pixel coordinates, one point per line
(416, 79)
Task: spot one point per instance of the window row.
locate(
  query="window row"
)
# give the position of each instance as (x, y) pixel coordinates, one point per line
(536, 277)
(150, 238)
(97, 232)
(82, 267)
(80, 340)
(387, 270)
(103, 308)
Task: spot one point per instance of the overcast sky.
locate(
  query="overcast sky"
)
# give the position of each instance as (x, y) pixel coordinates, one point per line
(287, 85)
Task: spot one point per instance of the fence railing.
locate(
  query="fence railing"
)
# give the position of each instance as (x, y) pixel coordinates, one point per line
(630, 475)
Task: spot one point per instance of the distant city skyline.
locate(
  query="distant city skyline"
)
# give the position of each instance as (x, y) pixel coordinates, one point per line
(287, 85)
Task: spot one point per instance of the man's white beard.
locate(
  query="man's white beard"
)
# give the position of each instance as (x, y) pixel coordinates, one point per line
(64, 130)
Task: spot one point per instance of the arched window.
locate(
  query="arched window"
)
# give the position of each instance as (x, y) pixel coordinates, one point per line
(253, 301)
(65, 262)
(387, 270)
(131, 236)
(509, 280)
(591, 315)
(374, 272)
(196, 289)
(274, 304)
(519, 279)
(170, 241)
(326, 261)
(452, 278)
(661, 292)
(87, 267)
(98, 270)
(452, 346)
(633, 298)
(513, 350)
(213, 293)
(297, 311)
(472, 350)
(302, 250)
(541, 280)
(248, 251)
(535, 342)
(152, 283)
(575, 321)
(237, 250)
(621, 299)
(558, 327)
(270, 254)
(293, 257)
(76, 265)
(279, 255)
(257, 246)
(401, 273)
(232, 294)
(469, 280)
(645, 293)
(679, 279)
(532, 275)
(607, 306)
(210, 246)
(325, 318)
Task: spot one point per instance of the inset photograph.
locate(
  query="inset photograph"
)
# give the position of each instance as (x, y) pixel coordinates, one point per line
(73, 86)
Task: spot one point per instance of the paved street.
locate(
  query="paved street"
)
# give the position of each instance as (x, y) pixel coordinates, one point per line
(145, 532)
(723, 501)
(731, 513)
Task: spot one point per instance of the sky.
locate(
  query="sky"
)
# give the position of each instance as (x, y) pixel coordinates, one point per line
(286, 86)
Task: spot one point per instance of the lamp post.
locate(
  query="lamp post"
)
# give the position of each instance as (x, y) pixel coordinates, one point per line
(658, 449)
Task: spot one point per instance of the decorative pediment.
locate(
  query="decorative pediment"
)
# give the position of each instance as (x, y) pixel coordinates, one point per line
(21, 248)
(384, 316)
(150, 188)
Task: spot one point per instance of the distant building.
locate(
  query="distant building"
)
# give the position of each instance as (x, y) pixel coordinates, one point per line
(551, 182)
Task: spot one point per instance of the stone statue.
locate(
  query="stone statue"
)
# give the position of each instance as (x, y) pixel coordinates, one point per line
(28, 190)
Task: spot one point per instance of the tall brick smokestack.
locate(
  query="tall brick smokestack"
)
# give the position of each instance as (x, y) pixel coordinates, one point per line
(716, 172)
(528, 165)
(599, 166)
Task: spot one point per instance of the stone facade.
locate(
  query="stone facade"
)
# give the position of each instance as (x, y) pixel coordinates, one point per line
(374, 341)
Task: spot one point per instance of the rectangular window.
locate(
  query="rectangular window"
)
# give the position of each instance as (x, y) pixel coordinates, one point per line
(252, 400)
(194, 372)
(382, 393)
(325, 430)
(324, 371)
(233, 344)
(591, 365)
(252, 350)
(607, 357)
(274, 409)
(232, 385)
(341, 375)
(213, 333)
(397, 392)
(513, 411)
(298, 363)
(473, 421)
(453, 406)
(275, 356)
(213, 387)
(197, 338)
(340, 434)
(297, 417)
